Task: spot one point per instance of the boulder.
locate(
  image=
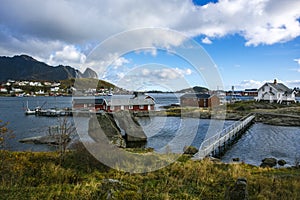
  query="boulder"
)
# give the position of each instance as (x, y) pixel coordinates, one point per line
(281, 162)
(268, 162)
(239, 191)
(133, 130)
(56, 139)
(103, 128)
(190, 150)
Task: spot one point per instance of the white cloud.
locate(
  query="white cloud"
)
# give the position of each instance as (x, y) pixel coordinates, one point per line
(121, 75)
(63, 22)
(297, 60)
(249, 84)
(165, 73)
(293, 83)
(69, 55)
(151, 51)
(206, 40)
(295, 69)
(188, 71)
(149, 75)
(120, 62)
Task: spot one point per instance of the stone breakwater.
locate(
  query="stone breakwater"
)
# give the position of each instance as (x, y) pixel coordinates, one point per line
(121, 128)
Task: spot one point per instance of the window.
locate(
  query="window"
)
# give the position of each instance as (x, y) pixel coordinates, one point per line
(130, 107)
(263, 89)
(112, 107)
(122, 107)
(141, 106)
(270, 89)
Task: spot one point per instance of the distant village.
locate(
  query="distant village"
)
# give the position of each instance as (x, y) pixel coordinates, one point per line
(270, 92)
(26, 88)
(31, 88)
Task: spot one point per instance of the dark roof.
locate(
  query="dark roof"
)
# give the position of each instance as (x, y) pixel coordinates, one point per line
(251, 90)
(118, 100)
(84, 100)
(197, 95)
(279, 87)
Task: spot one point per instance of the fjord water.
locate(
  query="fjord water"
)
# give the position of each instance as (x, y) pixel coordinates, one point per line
(22, 126)
(263, 141)
(164, 133)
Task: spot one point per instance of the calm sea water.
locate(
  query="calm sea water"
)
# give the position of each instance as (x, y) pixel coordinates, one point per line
(262, 141)
(22, 126)
(164, 133)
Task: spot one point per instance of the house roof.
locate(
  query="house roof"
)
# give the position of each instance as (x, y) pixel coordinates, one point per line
(85, 100)
(197, 95)
(279, 87)
(129, 102)
(118, 100)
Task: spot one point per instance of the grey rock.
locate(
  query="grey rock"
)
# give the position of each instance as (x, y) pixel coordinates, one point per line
(190, 150)
(127, 122)
(239, 191)
(268, 162)
(281, 162)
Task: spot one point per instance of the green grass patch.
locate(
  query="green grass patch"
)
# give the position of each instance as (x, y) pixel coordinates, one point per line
(38, 175)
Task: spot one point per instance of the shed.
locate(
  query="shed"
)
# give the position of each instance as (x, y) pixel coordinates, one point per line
(115, 103)
(199, 100)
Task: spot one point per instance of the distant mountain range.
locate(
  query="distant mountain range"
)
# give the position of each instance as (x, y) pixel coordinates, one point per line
(196, 89)
(24, 67)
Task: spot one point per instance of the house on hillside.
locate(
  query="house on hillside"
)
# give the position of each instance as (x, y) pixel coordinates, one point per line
(276, 92)
(3, 90)
(136, 102)
(199, 100)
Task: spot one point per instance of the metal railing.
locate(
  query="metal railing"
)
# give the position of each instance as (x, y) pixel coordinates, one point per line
(210, 144)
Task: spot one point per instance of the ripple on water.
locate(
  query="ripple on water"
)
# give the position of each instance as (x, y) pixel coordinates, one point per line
(262, 141)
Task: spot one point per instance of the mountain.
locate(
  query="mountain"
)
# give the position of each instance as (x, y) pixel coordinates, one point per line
(196, 89)
(24, 67)
(88, 73)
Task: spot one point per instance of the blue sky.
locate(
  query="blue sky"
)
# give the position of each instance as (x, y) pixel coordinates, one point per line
(250, 42)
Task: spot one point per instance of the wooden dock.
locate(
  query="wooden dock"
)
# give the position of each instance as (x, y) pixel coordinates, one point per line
(217, 145)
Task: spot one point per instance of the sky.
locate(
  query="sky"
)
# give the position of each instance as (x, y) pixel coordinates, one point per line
(156, 44)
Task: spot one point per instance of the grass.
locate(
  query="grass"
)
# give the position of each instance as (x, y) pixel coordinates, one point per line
(38, 175)
(246, 106)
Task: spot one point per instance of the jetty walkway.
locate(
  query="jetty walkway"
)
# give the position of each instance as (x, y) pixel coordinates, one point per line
(217, 145)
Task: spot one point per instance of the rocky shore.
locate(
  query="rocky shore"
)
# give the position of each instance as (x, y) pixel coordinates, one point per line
(278, 119)
(271, 118)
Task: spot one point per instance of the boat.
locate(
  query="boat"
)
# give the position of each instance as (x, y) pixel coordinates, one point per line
(110, 93)
(29, 112)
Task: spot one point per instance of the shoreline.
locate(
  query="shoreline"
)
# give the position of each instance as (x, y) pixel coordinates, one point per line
(270, 118)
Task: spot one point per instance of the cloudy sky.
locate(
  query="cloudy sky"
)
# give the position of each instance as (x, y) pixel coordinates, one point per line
(249, 41)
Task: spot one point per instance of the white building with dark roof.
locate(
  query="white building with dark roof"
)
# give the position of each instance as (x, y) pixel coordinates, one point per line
(276, 92)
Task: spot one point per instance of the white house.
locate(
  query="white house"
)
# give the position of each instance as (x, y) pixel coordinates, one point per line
(3, 90)
(276, 92)
(40, 92)
(17, 90)
(54, 89)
